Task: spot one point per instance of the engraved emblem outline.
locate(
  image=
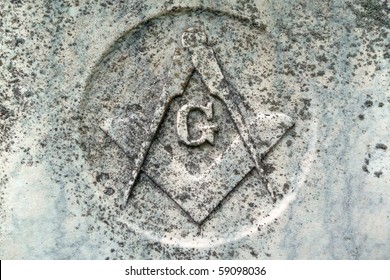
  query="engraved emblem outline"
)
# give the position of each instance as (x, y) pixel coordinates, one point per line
(196, 55)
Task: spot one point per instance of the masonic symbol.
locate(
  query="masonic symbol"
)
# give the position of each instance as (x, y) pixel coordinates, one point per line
(199, 195)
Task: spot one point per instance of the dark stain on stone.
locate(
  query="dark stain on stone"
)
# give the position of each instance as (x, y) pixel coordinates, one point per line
(286, 188)
(368, 103)
(4, 112)
(268, 168)
(109, 191)
(102, 177)
(381, 146)
(184, 197)
(19, 41)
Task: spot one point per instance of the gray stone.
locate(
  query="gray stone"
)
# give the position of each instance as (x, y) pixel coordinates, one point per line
(195, 129)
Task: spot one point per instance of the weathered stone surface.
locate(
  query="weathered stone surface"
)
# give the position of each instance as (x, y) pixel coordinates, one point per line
(195, 129)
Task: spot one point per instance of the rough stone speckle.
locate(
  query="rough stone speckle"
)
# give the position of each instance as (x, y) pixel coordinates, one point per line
(325, 64)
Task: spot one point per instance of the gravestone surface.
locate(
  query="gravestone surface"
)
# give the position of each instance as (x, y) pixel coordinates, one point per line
(195, 129)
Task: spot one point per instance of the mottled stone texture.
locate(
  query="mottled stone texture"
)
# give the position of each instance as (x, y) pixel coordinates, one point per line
(325, 64)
